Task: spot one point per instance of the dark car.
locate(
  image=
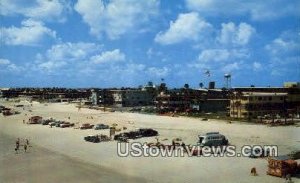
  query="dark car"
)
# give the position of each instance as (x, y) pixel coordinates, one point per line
(101, 126)
(46, 121)
(96, 138)
(146, 132)
(122, 137)
(257, 153)
(92, 138)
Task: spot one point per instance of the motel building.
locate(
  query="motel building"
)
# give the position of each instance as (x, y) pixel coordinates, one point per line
(253, 104)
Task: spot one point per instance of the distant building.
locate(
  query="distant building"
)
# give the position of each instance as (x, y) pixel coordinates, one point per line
(132, 97)
(102, 97)
(200, 100)
(253, 104)
(291, 85)
(46, 93)
(180, 100)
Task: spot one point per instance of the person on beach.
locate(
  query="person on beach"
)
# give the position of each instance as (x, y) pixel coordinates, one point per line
(25, 147)
(173, 143)
(183, 146)
(253, 171)
(27, 142)
(18, 142)
(17, 146)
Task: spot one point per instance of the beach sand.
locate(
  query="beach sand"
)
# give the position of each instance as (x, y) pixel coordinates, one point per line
(42, 165)
(89, 162)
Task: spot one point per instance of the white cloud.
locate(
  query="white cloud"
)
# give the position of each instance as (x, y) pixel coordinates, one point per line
(109, 57)
(31, 33)
(153, 53)
(214, 55)
(71, 57)
(66, 54)
(281, 46)
(36, 9)
(7, 65)
(51, 66)
(284, 53)
(4, 61)
(257, 9)
(116, 17)
(231, 67)
(222, 55)
(72, 51)
(224, 60)
(189, 26)
(158, 72)
(236, 35)
(257, 66)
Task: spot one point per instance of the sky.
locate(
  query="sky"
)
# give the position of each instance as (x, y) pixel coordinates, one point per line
(115, 43)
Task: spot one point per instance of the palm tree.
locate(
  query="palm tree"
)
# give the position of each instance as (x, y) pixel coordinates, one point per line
(201, 85)
(186, 86)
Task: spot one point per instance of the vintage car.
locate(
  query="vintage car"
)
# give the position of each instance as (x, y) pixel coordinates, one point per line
(101, 126)
(86, 126)
(97, 138)
(66, 125)
(212, 139)
(144, 132)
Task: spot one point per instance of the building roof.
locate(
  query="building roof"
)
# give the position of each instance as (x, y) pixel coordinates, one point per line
(263, 94)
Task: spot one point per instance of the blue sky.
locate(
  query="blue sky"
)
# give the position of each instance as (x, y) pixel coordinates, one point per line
(114, 43)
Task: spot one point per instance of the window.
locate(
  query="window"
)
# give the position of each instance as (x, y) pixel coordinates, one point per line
(270, 98)
(259, 98)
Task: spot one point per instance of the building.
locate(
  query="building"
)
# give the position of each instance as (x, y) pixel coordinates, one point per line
(200, 100)
(291, 85)
(102, 97)
(132, 97)
(180, 100)
(253, 102)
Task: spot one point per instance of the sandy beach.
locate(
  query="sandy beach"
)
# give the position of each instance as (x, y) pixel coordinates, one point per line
(61, 155)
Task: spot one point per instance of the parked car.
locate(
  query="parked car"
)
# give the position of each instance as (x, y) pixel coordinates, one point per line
(212, 139)
(66, 124)
(59, 123)
(86, 126)
(146, 132)
(46, 121)
(101, 126)
(35, 120)
(52, 123)
(97, 138)
(55, 123)
(256, 153)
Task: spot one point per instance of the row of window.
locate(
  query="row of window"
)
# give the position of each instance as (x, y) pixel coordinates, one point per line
(267, 98)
